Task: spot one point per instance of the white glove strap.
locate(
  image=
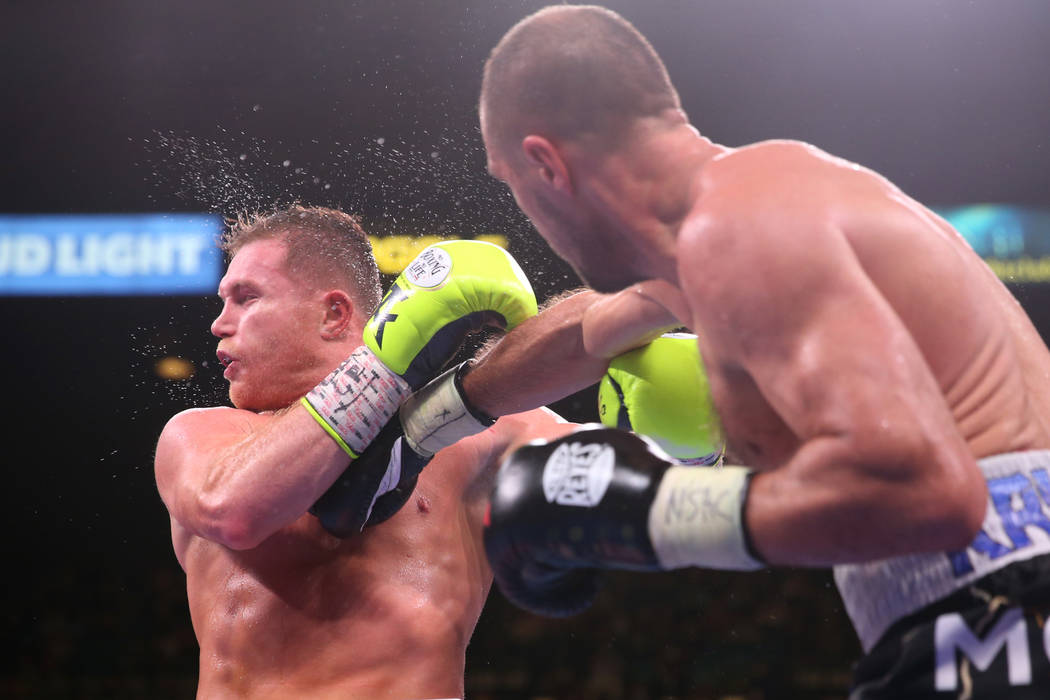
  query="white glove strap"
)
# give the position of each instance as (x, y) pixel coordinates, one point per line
(436, 416)
(696, 519)
(356, 400)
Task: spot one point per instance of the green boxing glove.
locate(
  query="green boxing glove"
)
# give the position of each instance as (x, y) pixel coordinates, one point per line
(449, 290)
(660, 390)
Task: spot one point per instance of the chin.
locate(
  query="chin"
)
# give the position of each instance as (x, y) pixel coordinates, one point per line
(239, 400)
(250, 401)
(606, 283)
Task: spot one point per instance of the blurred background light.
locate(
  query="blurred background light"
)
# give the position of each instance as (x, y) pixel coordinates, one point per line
(174, 368)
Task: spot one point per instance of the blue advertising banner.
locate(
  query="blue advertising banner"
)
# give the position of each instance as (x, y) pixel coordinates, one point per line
(143, 254)
(89, 254)
(1013, 240)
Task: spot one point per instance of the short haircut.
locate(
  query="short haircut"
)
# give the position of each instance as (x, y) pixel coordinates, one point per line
(326, 248)
(572, 70)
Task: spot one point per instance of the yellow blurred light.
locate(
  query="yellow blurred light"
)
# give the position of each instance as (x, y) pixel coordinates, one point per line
(393, 253)
(174, 368)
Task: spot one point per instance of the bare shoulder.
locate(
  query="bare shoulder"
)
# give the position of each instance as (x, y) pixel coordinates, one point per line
(772, 157)
(781, 174)
(768, 233)
(776, 193)
(193, 416)
(200, 430)
(196, 422)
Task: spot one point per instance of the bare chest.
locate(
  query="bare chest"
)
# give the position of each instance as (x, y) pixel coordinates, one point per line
(306, 607)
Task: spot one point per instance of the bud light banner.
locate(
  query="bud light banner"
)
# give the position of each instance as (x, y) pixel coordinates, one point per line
(1013, 240)
(98, 254)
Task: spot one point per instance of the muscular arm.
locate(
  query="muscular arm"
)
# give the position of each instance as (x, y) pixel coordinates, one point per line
(881, 468)
(568, 345)
(617, 323)
(236, 477)
(539, 362)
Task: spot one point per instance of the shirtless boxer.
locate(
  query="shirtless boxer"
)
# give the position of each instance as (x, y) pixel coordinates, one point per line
(886, 400)
(281, 607)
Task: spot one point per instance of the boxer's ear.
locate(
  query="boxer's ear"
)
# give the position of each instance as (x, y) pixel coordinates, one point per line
(338, 314)
(548, 162)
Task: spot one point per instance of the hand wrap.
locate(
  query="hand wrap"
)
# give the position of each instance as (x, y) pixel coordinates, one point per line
(601, 499)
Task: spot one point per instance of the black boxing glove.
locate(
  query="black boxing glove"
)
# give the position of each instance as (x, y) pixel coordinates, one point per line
(373, 487)
(378, 483)
(600, 499)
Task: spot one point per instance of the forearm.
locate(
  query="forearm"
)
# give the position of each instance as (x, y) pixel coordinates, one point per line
(541, 361)
(650, 514)
(617, 323)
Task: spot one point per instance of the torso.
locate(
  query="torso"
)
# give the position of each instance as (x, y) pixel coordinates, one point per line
(386, 614)
(990, 363)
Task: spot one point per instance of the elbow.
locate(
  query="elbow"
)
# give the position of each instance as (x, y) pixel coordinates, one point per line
(228, 522)
(964, 507)
(936, 493)
(952, 500)
(239, 535)
(954, 526)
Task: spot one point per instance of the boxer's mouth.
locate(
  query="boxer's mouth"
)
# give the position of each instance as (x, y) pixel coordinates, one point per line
(225, 358)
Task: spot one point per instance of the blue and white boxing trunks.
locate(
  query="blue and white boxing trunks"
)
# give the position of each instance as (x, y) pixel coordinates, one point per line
(966, 623)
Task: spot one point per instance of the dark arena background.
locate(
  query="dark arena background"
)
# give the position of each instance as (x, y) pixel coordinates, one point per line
(212, 108)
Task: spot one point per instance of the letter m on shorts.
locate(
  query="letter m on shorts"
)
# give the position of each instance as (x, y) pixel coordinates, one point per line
(952, 634)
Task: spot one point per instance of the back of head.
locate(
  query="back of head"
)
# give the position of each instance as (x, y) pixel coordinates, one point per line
(569, 72)
(327, 249)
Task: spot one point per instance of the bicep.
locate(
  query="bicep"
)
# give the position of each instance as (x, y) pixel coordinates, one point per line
(190, 444)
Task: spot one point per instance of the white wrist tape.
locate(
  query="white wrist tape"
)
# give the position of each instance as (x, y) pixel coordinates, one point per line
(356, 400)
(696, 519)
(437, 416)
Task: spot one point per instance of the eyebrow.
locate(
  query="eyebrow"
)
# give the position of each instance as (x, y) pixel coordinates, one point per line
(233, 288)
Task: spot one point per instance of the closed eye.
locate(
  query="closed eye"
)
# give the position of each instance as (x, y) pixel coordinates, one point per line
(239, 293)
(244, 294)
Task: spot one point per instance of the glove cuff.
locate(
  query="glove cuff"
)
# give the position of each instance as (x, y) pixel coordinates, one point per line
(439, 415)
(697, 519)
(355, 401)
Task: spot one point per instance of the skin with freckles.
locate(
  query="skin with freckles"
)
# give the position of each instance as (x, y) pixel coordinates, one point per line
(280, 607)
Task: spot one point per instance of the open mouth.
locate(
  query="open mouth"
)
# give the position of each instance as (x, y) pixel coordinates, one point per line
(226, 360)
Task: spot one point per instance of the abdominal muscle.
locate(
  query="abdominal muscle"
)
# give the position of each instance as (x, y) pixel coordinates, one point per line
(386, 614)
